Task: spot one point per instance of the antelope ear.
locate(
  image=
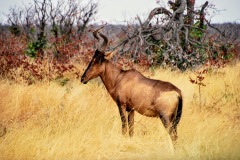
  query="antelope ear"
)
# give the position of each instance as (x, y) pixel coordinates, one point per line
(109, 55)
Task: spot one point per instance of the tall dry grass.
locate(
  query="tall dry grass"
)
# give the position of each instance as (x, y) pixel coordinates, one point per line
(76, 121)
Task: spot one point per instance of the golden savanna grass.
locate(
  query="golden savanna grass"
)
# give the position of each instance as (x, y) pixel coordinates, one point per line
(76, 121)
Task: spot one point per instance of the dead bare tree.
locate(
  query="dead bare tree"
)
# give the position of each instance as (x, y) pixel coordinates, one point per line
(27, 21)
(74, 13)
(14, 19)
(42, 17)
(168, 36)
(86, 14)
(41, 10)
(54, 15)
(67, 18)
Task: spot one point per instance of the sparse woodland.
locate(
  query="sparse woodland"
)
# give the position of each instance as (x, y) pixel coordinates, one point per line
(58, 35)
(46, 113)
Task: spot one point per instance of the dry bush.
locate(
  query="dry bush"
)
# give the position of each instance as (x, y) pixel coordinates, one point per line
(79, 121)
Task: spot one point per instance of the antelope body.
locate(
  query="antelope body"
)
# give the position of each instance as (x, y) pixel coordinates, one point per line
(134, 92)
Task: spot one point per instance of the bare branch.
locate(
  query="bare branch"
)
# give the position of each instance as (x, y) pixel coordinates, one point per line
(202, 15)
(155, 12)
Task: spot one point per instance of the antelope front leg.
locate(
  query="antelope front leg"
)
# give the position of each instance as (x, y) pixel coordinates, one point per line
(122, 111)
(131, 122)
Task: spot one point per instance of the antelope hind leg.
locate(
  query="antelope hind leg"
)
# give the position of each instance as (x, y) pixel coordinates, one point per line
(131, 122)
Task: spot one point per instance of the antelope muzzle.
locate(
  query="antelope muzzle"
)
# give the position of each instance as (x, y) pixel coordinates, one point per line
(83, 79)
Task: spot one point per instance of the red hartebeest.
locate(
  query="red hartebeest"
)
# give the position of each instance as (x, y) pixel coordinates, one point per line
(134, 92)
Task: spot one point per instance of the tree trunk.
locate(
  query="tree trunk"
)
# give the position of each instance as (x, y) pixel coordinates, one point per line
(190, 12)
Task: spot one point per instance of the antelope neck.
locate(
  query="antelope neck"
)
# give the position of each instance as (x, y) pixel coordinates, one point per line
(110, 76)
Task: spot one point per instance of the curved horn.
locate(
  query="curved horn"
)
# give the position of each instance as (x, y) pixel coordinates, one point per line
(95, 33)
(105, 39)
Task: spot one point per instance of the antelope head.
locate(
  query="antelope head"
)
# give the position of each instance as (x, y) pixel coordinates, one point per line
(96, 66)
